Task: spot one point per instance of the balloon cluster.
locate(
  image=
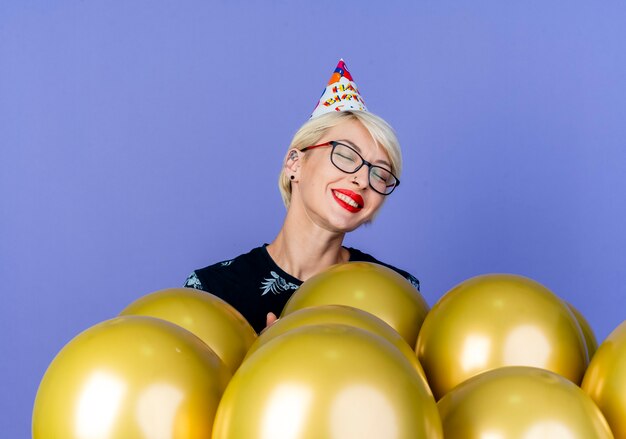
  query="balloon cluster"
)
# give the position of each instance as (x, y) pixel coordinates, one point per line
(356, 353)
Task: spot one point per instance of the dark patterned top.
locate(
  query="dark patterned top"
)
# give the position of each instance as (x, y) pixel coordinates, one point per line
(255, 285)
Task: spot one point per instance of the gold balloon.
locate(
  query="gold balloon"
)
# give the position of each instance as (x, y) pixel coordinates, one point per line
(130, 377)
(520, 402)
(371, 287)
(327, 381)
(210, 318)
(590, 338)
(498, 320)
(340, 314)
(605, 379)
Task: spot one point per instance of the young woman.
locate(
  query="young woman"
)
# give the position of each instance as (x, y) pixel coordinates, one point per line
(338, 170)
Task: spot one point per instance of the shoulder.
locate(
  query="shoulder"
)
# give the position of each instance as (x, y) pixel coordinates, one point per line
(226, 270)
(254, 258)
(358, 255)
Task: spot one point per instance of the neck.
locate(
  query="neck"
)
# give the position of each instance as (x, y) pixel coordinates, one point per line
(303, 249)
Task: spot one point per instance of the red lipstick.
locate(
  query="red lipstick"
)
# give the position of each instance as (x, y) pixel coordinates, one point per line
(349, 200)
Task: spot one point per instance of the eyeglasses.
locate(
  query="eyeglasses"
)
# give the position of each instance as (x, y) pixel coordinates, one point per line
(347, 159)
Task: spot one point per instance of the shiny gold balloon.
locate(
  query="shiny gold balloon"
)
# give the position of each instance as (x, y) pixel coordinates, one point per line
(130, 377)
(498, 320)
(210, 318)
(590, 338)
(339, 314)
(371, 287)
(520, 402)
(327, 381)
(605, 379)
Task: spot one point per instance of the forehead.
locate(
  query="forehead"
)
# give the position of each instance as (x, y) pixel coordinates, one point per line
(353, 133)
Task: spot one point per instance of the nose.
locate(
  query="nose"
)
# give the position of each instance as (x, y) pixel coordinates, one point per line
(360, 177)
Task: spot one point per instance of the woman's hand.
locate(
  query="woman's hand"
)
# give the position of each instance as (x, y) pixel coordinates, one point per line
(271, 318)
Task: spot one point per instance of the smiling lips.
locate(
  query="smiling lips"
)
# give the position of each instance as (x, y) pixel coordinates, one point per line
(349, 200)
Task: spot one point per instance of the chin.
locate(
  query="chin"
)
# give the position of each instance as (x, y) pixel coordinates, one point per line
(347, 223)
(347, 228)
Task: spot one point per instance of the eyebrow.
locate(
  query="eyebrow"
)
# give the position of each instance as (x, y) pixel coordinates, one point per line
(383, 162)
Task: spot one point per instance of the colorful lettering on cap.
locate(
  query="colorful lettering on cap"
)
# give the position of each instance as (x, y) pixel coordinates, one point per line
(341, 93)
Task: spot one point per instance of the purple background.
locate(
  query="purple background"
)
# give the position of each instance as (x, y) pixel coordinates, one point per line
(140, 140)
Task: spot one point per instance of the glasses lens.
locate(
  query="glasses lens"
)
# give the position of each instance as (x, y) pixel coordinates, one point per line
(348, 160)
(382, 180)
(345, 158)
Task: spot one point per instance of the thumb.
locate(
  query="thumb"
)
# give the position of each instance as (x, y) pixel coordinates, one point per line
(271, 318)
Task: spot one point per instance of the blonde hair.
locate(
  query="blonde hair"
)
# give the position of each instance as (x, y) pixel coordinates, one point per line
(313, 130)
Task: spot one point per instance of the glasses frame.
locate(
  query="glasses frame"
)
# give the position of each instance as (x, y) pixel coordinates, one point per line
(334, 144)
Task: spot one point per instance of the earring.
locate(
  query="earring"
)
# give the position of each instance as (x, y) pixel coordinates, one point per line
(292, 177)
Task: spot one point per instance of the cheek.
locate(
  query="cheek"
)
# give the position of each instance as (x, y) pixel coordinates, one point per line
(312, 189)
(376, 203)
(321, 178)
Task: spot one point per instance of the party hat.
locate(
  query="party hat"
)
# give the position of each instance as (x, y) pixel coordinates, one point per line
(341, 93)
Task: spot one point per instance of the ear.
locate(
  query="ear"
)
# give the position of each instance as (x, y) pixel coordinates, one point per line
(292, 162)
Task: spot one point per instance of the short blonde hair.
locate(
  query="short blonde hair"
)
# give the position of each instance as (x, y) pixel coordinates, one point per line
(314, 129)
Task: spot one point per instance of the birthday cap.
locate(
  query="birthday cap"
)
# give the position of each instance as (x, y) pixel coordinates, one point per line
(341, 93)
